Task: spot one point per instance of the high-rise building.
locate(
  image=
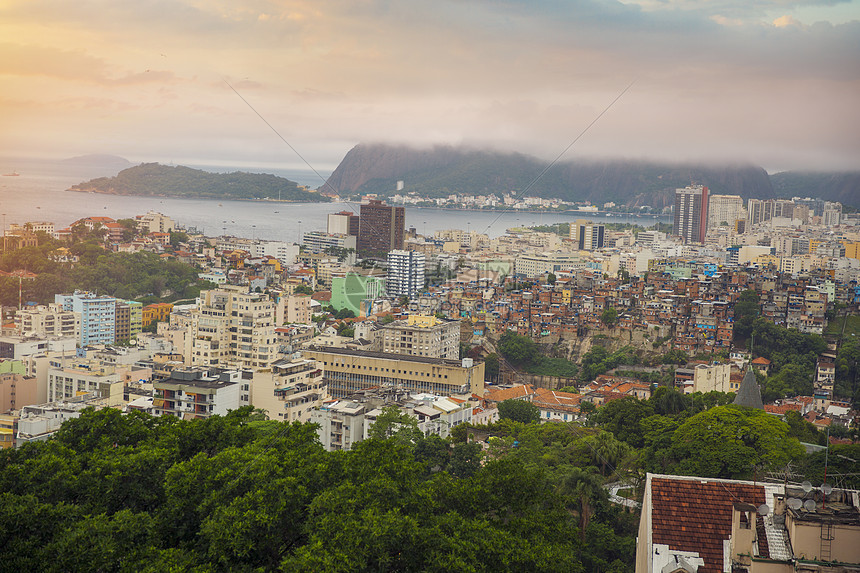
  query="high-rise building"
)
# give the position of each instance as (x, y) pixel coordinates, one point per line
(587, 236)
(98, 316)
(232, 328)
(405, 273)
(381, 229)
(343, 223)
(725, 209)
(691, 213)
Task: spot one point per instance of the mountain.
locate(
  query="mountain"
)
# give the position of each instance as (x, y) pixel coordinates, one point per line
(153, 179)
(439, 171)
(111, 163)
(842, 187)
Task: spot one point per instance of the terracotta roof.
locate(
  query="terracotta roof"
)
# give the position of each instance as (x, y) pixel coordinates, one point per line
(781, 408)
(696, 514)
(516, 392)
(761, 360)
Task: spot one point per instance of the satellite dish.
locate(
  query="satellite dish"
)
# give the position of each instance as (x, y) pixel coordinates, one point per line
(794, 503)
(826, 488)
(763, 509)
(807, 486)
(809, 505)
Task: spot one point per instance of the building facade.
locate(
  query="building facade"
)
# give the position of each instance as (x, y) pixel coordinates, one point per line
(691, 213)
(422, 336)
(587, 236)
(405, 273)
(381, 229)
(98, 316)
(348, 371)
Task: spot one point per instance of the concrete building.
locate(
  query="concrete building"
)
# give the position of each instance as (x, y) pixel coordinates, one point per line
(19, 347)
(709, 378)
(587, 236)
(539, 264)
(341, 424)
(691, 213)
(348, 371)
(48, 321)
(98, 316)
(381, 229)
(405, 273)
(290, 390)
(200, 393)
(17, 391)
(343, 223)
(422, 336)
(75, 377)
(231, 328)
(154, 222)
(694, 524)
(319, 242)
(725, 209)
(294, 309)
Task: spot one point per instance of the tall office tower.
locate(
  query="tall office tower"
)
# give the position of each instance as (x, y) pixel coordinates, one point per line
(381, 229)
(405, 273)
(343, 223)
(725, 209)
(691, 213)
(98, 316)
(587, 236)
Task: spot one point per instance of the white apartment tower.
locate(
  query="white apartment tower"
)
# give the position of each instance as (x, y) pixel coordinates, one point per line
(405, 273)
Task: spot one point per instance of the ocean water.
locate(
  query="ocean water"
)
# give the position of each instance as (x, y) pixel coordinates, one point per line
(39, 193)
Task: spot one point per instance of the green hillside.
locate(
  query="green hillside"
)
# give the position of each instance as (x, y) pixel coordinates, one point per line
(153, 179)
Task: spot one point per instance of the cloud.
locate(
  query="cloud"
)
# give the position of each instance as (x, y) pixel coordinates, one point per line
(741, 79)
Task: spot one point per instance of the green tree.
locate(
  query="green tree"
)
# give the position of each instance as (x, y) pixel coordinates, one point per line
(394, 423)
(491, 366)
(746, 310)
(518, 349)
(609, 317)
(519, 411)
(730, 442)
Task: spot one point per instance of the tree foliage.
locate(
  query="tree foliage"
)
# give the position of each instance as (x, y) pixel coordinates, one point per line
(132, 492)
(519, 411)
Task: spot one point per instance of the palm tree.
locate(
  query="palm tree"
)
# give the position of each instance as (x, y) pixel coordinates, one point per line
(584, 487)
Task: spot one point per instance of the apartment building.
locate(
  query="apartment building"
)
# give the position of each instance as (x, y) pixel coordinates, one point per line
(320, 242)
(405, 273)
(289, 390)
(98, 316)
(381, 228)
(74, 377)
(48, 321)
(200, 393)
(586, 235)
(535, 265)
(422, 336)
(233, 328)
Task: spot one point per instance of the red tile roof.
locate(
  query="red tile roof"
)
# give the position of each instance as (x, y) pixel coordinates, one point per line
(521, 392)
(696, 514)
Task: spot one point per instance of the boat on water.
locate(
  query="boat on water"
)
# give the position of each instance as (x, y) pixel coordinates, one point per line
(13, 174)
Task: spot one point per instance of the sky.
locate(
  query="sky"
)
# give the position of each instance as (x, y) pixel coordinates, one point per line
(299, 83)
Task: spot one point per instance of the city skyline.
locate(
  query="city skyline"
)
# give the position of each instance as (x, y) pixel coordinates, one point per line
(765, 82)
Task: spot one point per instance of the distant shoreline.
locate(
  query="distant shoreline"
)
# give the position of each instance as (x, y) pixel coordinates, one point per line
(199, 198)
